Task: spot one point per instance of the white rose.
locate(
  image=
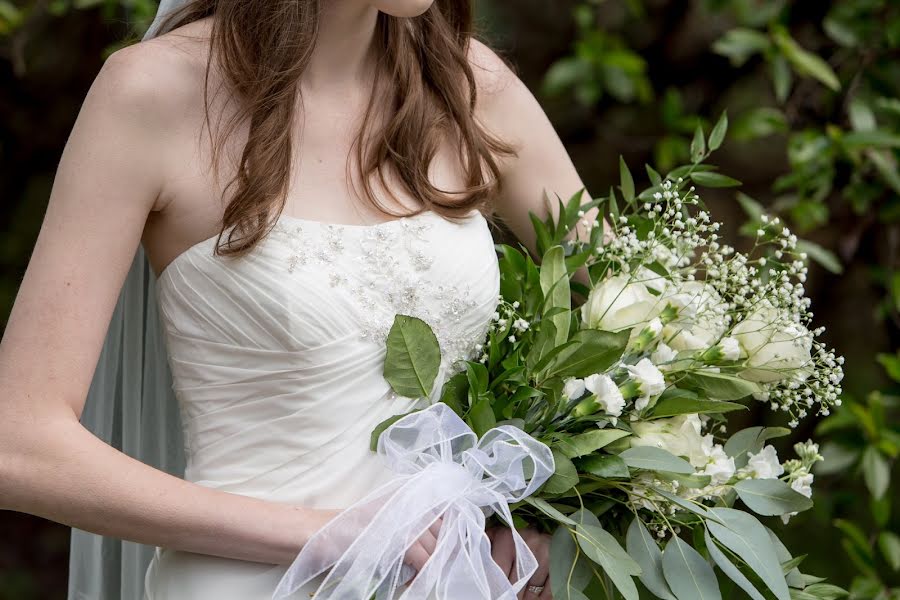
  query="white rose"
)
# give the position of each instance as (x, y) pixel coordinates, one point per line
(649, 378)
(608, 394)
(774, 350)
(764, 464)
(700, 319)
(573, 388)
(619, 303)
(679, 435)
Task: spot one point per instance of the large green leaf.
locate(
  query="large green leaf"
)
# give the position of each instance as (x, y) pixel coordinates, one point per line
(549, 510)
(729, 568)
(564, 478)
(413, 357)
(688, 574)
(719, 386)
(569, 571)
(584, 443)
(752, 440)
(607, 466)
(771, 497)
(555, 285)
(602, 548)
(680, 405)
(748, 539)
(876, 472)
(379, 429)
(643, 549)
(594, 352)
(655, 459)
(804, 61)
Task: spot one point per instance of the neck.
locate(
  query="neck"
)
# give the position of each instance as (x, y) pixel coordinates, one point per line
(344, 48)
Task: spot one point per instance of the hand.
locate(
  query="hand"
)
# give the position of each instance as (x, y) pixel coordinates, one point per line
(416, 555)
(503, 551)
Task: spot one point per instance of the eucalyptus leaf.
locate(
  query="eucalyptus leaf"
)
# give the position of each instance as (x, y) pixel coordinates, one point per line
(719, 386)
(594, 352)
(564, 478)
(729, 569)
(643, 549)
(584, 443)
(752, 440)
(549, 510)
(679, 405)
(688, 574)
(569, 573)
(606, 466)
(413, 357)
(602, 548)
(771, 497)
(748, 539)
(651, 458)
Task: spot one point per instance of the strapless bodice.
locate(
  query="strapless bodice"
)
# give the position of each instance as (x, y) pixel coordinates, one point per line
(277, 356)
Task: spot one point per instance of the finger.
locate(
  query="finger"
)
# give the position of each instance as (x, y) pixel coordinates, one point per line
(416, 557)
(428, 541)
(547, 594)
(503, 550)
(435, 527)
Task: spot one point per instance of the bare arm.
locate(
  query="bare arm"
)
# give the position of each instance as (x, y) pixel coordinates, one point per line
(108, 180)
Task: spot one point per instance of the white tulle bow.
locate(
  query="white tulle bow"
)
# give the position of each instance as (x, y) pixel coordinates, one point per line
(443, 470)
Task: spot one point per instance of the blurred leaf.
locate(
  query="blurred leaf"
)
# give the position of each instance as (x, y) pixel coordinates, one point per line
(824, 257)
(889, 544)
(876, 472)
(714, 180)
(740, 43)
(805, 62)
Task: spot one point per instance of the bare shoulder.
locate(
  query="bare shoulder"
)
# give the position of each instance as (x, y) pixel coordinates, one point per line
(494, 78)
(155, 79)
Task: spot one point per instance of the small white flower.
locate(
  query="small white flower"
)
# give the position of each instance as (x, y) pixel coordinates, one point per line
(512, 339)
(721, 466)
(801, 485)
(608, 394)
(573, 388)
(662, 354)
(649, 378)
(731, 349)
(764, 464)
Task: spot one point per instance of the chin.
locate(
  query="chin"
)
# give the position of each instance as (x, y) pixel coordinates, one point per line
(402, 8)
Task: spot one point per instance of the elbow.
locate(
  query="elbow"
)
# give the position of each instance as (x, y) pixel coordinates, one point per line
(30, 452)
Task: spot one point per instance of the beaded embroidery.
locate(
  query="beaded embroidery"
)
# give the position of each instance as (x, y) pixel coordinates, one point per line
(394, 278)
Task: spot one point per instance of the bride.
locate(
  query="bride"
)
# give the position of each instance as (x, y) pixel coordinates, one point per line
(296, 173)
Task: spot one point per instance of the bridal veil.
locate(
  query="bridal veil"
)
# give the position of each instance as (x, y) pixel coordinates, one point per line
(131, 406)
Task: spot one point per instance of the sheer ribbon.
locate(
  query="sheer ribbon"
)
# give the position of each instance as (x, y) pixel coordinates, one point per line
(443, 470)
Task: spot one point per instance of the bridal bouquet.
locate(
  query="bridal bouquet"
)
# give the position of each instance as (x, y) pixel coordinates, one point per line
(606, 423)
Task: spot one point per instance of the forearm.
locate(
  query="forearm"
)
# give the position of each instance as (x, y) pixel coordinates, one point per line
(70, 476)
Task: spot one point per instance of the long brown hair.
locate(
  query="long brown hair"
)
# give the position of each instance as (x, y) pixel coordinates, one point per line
(263, 48)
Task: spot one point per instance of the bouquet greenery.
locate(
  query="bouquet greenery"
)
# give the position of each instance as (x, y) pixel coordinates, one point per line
(631, 390)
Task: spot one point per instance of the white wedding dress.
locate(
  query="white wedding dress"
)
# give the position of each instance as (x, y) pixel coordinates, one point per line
(277, 360)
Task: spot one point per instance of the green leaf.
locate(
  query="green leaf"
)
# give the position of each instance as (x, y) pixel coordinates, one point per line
(594, 352)
(606, 466)
(583, 444)
(548, 509)
(748, 539)
(889, 544)
(455, 392)
(564, 478)
(824, 257)
(781, 77)
(771, 497)
(627, 181)
(481, 416)
(698, 145)
(379, 429)
(793, 577)
(679, 405)
(729, 569)
(569, 573)
(741, 43)
(643, 549)
(752, 440)
(718, 132)
(719, 386)
(876, 472)
(555, 285)
(805, 62)
(713, 180)
(602, 548)
(413, 357)
(688, 574)
(651, 458)
(825, 591)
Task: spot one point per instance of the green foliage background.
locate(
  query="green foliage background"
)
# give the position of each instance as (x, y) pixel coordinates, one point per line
(812, 91)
